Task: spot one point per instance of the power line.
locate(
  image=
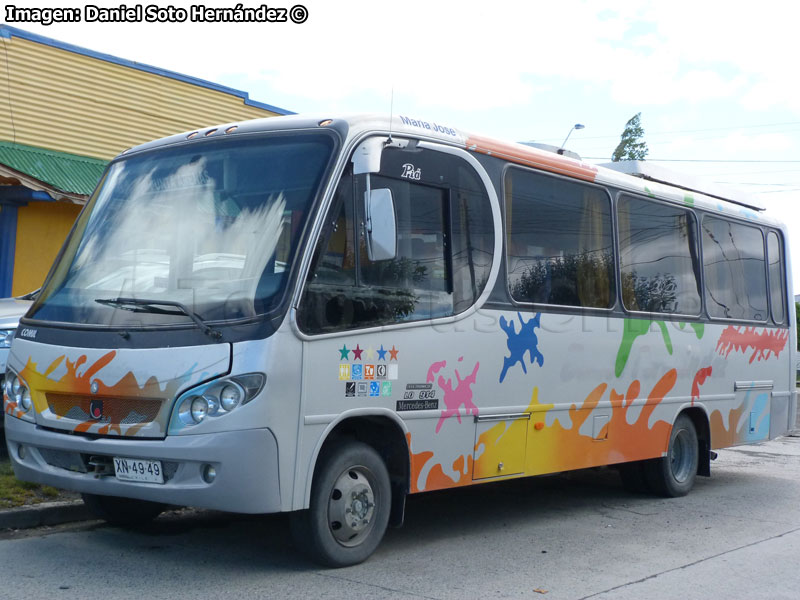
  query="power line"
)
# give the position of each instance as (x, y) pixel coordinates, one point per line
(761, 172)
(780, 191)
(762, 183)
(651, 133)
(697, 160)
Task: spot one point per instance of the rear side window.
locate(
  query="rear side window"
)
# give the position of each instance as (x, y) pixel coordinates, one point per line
(734, 268)
(775, 258)
(658, 254)
(559, 247)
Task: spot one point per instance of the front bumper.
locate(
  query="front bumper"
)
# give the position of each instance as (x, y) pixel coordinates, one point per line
(246, 463)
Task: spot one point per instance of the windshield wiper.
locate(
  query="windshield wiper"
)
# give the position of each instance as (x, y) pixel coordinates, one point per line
(151, 306)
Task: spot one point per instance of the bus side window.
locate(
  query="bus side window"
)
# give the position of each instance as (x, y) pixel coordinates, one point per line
(326, 304)
(733, 263)
(659, 261)
(559, 241)
(775, 256)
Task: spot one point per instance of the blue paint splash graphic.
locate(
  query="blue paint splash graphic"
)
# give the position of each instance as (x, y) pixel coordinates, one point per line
(520, 343)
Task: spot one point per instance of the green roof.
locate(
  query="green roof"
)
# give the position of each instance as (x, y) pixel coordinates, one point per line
(69, 173)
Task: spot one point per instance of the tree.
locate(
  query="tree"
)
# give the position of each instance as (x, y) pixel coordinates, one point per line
(631, 145)
(797, 314)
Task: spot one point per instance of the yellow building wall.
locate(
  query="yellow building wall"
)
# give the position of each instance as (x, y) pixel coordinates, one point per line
(57, 99)
(42, 228)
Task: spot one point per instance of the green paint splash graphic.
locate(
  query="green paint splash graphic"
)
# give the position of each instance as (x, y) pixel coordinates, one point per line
(699, 329)
(632, 329)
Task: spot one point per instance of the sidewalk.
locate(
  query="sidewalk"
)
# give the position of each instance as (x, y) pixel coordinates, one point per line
(46, 513)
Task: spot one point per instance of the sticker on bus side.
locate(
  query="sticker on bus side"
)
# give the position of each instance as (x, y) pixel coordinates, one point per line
(405, 405)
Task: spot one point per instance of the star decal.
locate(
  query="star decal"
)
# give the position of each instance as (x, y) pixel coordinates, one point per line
(393, 352)
(370, 353)
(357, 352)
(381, 353)
(345, 353)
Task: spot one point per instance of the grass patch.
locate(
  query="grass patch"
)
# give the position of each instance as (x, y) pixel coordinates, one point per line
(14, 492)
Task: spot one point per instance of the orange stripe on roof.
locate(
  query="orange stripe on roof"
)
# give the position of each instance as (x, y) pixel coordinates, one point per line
(531, 157)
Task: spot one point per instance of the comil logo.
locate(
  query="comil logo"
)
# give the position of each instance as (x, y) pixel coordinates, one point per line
(28, 333)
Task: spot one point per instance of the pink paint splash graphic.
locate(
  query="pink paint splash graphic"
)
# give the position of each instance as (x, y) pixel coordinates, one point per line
(454, 397)
(434, 369)
(763, 344)
(699, 379)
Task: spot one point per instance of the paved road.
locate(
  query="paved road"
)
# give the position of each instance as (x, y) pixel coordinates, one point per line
(574, 536)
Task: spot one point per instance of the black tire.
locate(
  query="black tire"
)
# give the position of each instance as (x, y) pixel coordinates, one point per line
(351, 479)
(632, 475)
(674, 474)
(123, 512)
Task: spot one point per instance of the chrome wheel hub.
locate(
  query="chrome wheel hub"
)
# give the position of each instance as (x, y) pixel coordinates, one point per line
(351, 506)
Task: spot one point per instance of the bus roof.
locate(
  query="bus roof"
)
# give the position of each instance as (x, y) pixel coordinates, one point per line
(690, 183)
(637, 176)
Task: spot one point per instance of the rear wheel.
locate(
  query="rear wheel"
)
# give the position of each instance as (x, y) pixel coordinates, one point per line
(349, 508)
(674, 474)
(124, 512)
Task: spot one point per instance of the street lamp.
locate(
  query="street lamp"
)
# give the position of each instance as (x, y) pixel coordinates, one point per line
(574, 127)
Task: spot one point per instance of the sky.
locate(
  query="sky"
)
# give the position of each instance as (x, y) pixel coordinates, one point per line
(716, 83)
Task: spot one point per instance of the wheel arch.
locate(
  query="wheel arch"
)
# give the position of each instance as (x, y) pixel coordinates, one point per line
(381, 429)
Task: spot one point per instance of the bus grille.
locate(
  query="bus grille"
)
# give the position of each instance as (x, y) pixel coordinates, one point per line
(115, 411)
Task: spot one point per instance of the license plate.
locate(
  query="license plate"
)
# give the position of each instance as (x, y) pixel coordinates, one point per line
(136, 469)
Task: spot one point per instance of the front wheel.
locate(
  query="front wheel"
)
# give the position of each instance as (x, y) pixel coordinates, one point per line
(674, 474)
(124, 512)
(349, 508)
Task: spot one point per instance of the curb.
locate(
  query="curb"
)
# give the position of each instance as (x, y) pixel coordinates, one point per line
(46, 513)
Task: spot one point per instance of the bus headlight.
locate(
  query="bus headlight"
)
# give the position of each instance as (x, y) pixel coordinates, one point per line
(7, 381)
(199, 409)
(215, 399)
(6, 337)
(230, 396)
(213, 404)
(18, 397)
(25, 400)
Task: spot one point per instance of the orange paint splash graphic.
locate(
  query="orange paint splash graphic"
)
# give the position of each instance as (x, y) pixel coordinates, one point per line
(11, 408)
(437, 479)
(541, 449)
(558, 448)
(743, 339)
(723, 435)
(127, 406)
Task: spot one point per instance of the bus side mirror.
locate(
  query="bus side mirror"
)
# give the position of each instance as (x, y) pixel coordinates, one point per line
(381, 225)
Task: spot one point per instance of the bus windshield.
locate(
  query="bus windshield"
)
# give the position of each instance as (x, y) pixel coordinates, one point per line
(212, 225)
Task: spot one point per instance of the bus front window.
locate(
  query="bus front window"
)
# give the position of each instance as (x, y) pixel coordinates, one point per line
(213, 225)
